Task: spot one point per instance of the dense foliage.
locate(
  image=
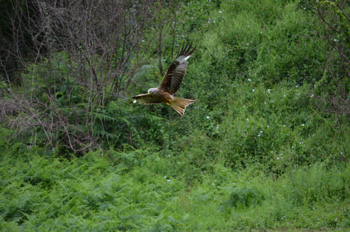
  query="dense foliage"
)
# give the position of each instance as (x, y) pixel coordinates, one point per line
(265, 146)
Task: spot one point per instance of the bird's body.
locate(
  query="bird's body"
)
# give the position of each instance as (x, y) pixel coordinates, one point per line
(170, 84)
(163, 96)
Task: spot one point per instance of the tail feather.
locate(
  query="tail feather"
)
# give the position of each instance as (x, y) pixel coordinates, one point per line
(180, 104)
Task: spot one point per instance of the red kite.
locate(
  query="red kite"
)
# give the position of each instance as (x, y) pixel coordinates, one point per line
(170, 84)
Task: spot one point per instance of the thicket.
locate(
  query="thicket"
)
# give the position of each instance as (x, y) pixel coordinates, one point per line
(266, 145)
(121, 192)
(268, 77)
(81, 56)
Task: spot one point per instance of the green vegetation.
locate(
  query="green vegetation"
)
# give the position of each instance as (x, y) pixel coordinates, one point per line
(265, 147)
(147, 191)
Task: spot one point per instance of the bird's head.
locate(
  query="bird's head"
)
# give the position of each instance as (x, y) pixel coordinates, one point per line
(152, 90)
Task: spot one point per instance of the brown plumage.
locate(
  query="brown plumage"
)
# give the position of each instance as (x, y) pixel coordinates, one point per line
(170, 84)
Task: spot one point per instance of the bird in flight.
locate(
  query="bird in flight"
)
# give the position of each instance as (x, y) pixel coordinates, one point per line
(170, 84)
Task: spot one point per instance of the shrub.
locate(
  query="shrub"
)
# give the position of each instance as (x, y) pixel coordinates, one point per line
(244, 197)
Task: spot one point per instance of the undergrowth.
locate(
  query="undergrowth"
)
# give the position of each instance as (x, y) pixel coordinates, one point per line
(254, 152)
(100, 193)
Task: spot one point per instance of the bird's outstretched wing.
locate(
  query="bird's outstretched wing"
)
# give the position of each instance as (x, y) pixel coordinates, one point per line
(177, 70)
(146, 99)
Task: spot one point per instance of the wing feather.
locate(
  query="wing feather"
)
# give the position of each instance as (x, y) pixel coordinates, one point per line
(175, 74)
(146, 99)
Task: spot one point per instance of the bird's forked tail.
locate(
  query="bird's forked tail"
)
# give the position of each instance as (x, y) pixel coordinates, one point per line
(180, 104)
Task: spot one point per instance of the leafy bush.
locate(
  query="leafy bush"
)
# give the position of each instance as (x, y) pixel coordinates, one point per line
(244, 197)
(334, 87)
